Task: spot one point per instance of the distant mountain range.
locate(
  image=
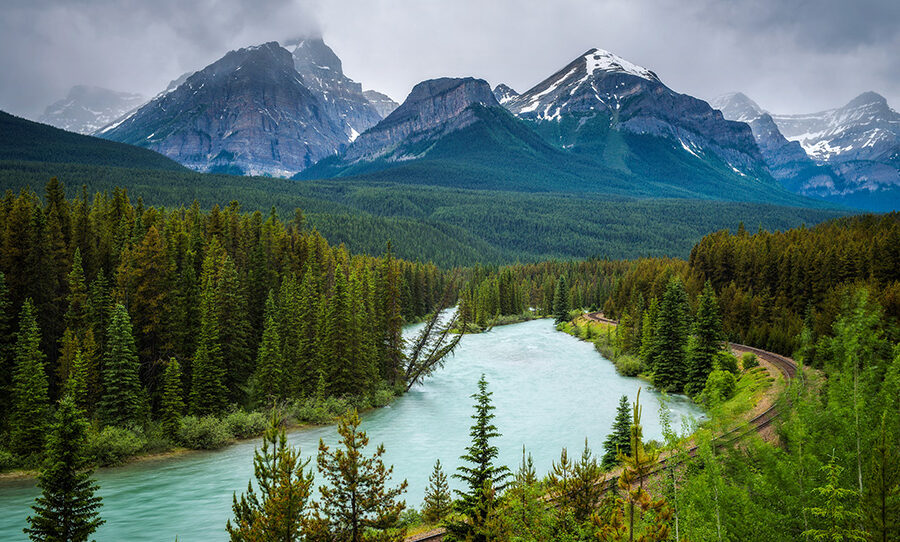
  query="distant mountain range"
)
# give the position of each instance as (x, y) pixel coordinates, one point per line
(850, 154)
(599, 124)
(87, 109)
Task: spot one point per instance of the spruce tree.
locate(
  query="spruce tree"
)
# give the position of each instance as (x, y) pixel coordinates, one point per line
(482, 479)
(30, 399)
(77, 385)
(437, 502)
(209, 395)
(881, 497)
(278, 511)
(122, 401)
(67, 509)
(171, 406)
(619, 439)
(561, 302)
(341, 369)
(234, 331)
(356, 503)
(7, 341)
(76, 318)
(707, 341)
(268, 380)
(648, 334)
(672, 325)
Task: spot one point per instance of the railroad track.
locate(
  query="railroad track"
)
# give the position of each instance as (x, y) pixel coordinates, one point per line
(757, 424)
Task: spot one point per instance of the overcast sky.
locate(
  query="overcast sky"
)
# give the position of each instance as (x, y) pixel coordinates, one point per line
(789, 55)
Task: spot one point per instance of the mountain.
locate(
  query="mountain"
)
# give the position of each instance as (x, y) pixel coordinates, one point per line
(86, 109)
(381, 102)
(26, 141)
(249, 112)
(504, 93)
(597, 98)
(322, 73)
(787, 160)
(847, 155)
(452, 131)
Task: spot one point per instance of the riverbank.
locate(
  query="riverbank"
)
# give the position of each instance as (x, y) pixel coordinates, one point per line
(504, 320)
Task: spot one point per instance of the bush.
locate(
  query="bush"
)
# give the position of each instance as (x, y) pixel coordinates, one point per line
(241, 424)
(206, 433)
(726, 361)
(113, 445)
(720, 386)
(629, 365)
(319, 411)
(382, 396)
(749, 361)
(7, 460)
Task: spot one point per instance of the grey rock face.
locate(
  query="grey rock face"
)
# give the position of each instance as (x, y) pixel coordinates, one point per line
(786, 159)
(248, 112)
(433, 105)
(864, 129)
(633, 99)
(381, 102)
(86, 109)
(848, 152)
(322, 72)
(504, 93)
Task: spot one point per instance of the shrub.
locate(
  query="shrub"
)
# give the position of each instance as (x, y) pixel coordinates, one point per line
(382, 396)
(720, 386)
(629, 365)
(749, 361)
(319, 411)
(113, 445)
(726, 361)
(241, 424)
(7, 460)
(206, 433)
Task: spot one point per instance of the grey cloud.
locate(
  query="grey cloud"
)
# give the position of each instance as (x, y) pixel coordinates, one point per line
(789, 55)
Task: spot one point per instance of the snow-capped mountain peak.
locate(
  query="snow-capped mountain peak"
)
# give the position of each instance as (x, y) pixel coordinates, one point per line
(600, 59)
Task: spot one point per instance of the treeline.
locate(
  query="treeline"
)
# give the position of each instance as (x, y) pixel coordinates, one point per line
(146, 313)
(447, 225)
(773, 286)
(541, 289)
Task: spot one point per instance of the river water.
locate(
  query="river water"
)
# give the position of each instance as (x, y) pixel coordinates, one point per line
(551, 391)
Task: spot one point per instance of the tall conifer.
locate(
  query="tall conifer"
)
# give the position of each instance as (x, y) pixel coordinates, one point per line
(122, 401)
(30, 399)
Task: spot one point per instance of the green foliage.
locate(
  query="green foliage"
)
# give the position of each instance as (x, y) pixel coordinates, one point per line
(707, 340)
(268, 383)
(837, 521)
(437, 502)
(482, 479)
(671, 339)
(241, 424)
(171, 406)
(30, 402)
(277, 511)
(203, 433)
(561, 300)
(122, 402)
(357, 503)
(749, 361)
(67, 509)
(719, 387)
(113, 446)
(619, 439)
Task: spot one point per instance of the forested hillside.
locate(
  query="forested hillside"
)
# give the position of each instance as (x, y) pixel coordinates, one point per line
(144, 314)
(448, 226)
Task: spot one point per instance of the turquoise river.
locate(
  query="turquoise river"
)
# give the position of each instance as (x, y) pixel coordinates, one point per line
(551, 391)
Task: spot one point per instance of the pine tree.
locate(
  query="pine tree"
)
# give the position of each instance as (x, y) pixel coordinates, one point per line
(278, 511)
(268, 380)
(881, 498)
(7, 352)
(209, 395)
(68, 348)
(100, 307)
(437, 501)
(707, 341)
(619, 439)
(648, 334)
(475, 501)
(336, 360)
(671, 339)
(68, 509)
(30, 399)
(77, 384)
(587, 485)
(561, 301)
(837, 521)
(234, 331)
(122, 401)
(356, 503)
(76, 318)
(171, 406)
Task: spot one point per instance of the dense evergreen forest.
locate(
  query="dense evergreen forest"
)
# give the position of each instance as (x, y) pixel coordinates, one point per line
(146, 314)
(449, 226)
